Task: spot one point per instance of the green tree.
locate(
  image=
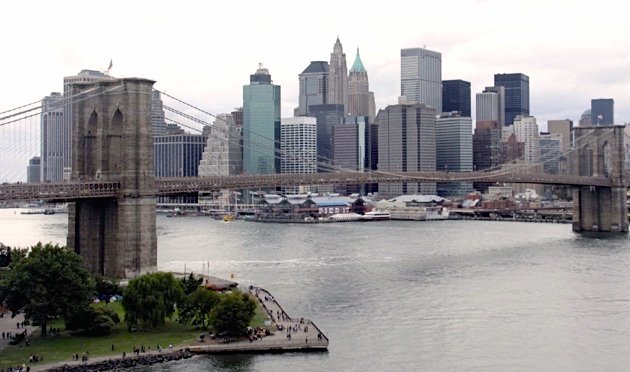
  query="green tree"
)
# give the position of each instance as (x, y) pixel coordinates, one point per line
(95, 319)
(233, 313)
(151, 298)
(107, 287)
(198, 307)
(48, 283)
(191, 283)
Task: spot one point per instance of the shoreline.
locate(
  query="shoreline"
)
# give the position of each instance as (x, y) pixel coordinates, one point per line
(291, 335)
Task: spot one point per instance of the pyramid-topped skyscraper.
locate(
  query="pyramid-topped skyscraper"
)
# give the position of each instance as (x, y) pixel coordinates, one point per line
(338, 77)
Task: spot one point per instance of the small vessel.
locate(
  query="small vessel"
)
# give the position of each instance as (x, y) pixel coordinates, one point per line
(376, 216)
(229, 218)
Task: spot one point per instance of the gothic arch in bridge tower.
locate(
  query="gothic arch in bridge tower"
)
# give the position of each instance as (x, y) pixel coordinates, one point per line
(586, 161)
(90, 144)
(606, 154)
(114, 143)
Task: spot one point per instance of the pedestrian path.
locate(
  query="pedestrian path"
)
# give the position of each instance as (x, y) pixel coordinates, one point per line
(9, 325)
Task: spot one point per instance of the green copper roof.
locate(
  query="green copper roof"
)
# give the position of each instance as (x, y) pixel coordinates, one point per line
(357, 66)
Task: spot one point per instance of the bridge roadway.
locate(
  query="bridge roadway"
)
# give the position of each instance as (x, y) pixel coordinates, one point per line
(77, 190)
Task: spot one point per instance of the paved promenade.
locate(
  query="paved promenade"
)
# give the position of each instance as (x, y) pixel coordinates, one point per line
(293, 334)
(9, 325)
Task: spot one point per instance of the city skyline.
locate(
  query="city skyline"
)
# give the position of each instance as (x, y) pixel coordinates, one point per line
(567, 65)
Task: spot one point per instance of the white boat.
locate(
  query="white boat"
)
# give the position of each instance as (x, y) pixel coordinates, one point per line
(376, 216)
(345, 217)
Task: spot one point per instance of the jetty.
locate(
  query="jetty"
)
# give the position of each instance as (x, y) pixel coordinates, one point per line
(290, 334)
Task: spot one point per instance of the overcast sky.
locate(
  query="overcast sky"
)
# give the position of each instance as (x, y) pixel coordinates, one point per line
(204, 51)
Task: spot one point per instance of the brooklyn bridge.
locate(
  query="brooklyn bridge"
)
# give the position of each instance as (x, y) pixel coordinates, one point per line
(112, 190)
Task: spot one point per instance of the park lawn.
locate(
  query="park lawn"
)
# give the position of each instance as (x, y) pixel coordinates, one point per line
(60, 348)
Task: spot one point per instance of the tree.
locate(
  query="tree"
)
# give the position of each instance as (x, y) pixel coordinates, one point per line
(107, 287)
(198, 306)
(48, 283)
(191, 283)
(95, 320)
(151, 298)
(233, 313)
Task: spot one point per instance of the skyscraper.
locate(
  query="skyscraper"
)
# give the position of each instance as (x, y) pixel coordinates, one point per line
(602, 111)
(500, 91)
(158, 124)
(298, 137)
(33, 172)
(338, 77)
(487, 149)
(358, 89)
(261, 124)
(326, 117)
(516, 94)
(313, 87)
(526, 130)
(222, 155)
(551, 152)
(453, 151)
(456, 97)
(421, 76)
(55, 140)
(406, 143)
(487, 104)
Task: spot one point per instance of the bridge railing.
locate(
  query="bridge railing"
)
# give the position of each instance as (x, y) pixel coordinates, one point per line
(61, 191)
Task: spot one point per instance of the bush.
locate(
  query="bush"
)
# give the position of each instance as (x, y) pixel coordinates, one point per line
(93, 320)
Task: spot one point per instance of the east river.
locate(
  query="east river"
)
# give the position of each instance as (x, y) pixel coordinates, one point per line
(408, 296)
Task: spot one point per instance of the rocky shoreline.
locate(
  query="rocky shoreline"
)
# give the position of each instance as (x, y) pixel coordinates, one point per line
(125, 363)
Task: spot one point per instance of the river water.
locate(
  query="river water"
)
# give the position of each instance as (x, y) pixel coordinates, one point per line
(407, 296)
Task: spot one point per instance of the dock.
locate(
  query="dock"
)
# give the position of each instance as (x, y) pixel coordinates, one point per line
(292, 334)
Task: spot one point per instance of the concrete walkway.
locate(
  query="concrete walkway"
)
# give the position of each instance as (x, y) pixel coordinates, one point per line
(304, 334)
(8, 324)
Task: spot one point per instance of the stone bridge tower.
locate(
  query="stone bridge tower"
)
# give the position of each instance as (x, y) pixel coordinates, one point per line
(111, 141)
(600, 153)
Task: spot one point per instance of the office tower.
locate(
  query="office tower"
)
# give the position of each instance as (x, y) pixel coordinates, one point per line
(453, 151)
(563, 128)
(298, 138)
(602, 111)
(585, 119)
(158, 123)
(338, 77)
(516, 94)
(33, 170)
(261, 124)
(421, 76)
(526, 130)
(222, 155)
(487, 149)
(487, 104)
(326, 116)
(406, 143)
(85, 76)
(55, 140)
(178, 154)
(551, 152)
(500, 91)
(513, 150)
(353, 150)
(372, 107)
(313, 87)
(358, 89)
(456, 97)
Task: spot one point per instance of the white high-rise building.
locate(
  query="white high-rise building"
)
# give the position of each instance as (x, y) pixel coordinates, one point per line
(453, 152)
(526, 130)
(487, 104)
(222, 155)
(298, 144)
(55, 141)
(421, 76)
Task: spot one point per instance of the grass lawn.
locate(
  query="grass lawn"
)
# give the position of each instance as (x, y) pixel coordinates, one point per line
(61, 348)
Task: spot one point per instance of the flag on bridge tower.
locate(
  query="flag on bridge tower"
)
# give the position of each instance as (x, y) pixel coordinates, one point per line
(111, 64)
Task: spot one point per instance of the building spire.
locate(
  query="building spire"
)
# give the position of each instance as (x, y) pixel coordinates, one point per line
(357, 66)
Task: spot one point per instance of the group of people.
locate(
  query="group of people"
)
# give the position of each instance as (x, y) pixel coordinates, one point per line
(34, 358)
(22, 368)
(84, 358)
